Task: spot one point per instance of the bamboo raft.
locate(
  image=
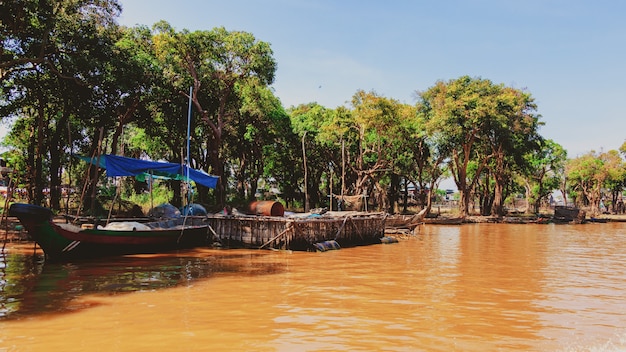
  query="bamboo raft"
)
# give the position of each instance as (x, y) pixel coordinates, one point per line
(298, 233)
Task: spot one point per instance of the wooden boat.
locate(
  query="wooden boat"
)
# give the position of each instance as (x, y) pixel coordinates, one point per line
(405, 221)
(61, 241)
(598, 220)
(443, 221)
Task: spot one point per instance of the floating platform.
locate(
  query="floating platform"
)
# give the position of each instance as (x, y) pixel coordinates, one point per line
(299, 233)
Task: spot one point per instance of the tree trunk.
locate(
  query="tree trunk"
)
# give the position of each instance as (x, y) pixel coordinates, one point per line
(464, 194)
(497, 207)
(528, 195)
(393, 194)
(122, 120)
(177, 194)
(614, 199)
(93, 171)
(537, 204)
(405, 196)
(55, 162)
(459, 173)
(30, 165)
(463, 202)
(40, 152)
(218, 168)
(254, 184)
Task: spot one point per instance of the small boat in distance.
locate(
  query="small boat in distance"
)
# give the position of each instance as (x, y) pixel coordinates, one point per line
(62, 241)
(444, 221)
(405, 221)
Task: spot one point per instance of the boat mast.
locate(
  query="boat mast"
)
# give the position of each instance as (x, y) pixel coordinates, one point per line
(188, 151)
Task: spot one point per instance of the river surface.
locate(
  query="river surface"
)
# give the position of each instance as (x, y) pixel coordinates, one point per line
(480, 287)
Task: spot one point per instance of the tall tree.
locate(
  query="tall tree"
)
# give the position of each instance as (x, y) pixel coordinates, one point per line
(36, 33)
(377, 120)
(428, 162)
(479, 124)
(589, 174)
(615, 168)
(457, 114)
(261, 132)
(52, 56)
(544, 173)
(509, 134)
(214, 63)
(309, 122)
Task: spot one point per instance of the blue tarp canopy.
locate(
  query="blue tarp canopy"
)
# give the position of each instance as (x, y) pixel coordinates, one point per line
(116, 165)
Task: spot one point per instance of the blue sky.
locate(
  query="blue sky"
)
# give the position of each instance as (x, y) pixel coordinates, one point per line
(570, 55)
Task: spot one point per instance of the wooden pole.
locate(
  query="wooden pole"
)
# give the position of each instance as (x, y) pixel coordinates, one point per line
(189, 197)
(275, 237)
(306, 187)
(330, 205)
(95, 179)
(343, 167)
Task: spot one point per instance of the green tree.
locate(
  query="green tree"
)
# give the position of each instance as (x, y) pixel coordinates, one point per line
(35, 34)
(260, 136)
(476, 123)
(51, 69)
(214, 63)
(457, 113)
(590, 174)
(511, 131)
(616, 176)
(310, 123)
(378, 122)
(417, 160)
(544, 173)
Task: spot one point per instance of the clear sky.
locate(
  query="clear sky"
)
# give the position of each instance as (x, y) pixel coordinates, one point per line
(569, 54)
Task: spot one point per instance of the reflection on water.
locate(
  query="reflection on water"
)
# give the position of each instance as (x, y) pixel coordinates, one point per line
(466, 288)
(28, 286)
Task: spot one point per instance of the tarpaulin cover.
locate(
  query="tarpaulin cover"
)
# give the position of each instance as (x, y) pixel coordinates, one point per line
(116, 165)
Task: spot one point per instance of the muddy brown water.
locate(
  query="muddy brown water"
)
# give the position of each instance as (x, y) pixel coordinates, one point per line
(474, 287)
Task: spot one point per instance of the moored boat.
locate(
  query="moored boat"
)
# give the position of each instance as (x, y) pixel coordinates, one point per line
(61, 241)
(405, 221)
(444, 221)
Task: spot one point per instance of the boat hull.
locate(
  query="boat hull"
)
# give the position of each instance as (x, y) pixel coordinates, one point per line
(444, 221)
(347, 229)
(61, 241)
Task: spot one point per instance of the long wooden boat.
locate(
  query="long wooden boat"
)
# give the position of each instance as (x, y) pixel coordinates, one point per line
(61, 241)
(444, 221)
(405, 221)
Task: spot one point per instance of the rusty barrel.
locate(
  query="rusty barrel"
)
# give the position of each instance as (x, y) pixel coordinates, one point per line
(267, 208)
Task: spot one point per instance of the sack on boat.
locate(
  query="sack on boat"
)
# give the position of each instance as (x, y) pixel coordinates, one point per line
(125, 226)
(193, 209)
(165, 210)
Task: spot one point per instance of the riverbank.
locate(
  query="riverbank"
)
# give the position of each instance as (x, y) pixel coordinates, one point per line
(542, 218)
